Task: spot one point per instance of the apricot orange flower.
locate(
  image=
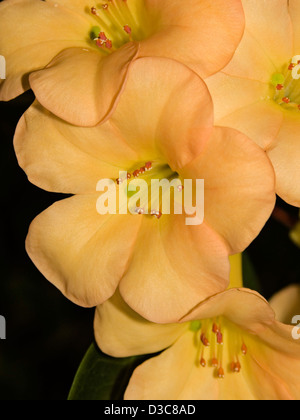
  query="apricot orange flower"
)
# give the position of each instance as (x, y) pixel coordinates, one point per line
(163, 267)
(258, 92)
(229, 347)
(75, 56)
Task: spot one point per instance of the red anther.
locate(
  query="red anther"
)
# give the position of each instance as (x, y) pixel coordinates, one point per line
(139, 210)
(105, 6)
(286, 100)
(108, 44)
(119, 181)
(148, 166)
(127, 29)
(279, 87)
(214, 362)
(142, 170)
(237, 367)
(136, 173)
(203, 362)
(94, 11)
(232, 367)
(219, 337)
(158, 214)
(291, 66)
(102, 36)
(99, 43)
(244, 349)
(204, 340)
(221, 373)
(215, 328)
(128, 176)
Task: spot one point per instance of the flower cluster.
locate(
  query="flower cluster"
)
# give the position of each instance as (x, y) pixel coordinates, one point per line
(137, 91)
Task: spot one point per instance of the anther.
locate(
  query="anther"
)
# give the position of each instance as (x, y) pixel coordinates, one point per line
(94, 11)
(244, 349)
(279, 87)
(291, 66)
(148, 166)
(221, 373)
(219, 337)
(127, 29)
(203, 362)
(204, 340)
(214, 362)
(136, 173)
(215, 328)
(286, 100)
(140, 210)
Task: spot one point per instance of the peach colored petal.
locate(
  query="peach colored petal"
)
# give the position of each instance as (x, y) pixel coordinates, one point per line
(231, 304)
(88, 82)
(121, 332)
(286, 303)
(239, 186)
(230, 93)
(267, 43)
(59, 157)
(82, 253)
(202, 35)
(294, 10)
(275, 363)
(172, 279)
(32, 32)
(165, 111)
(284, 153)
(176, 375)
(260, 121)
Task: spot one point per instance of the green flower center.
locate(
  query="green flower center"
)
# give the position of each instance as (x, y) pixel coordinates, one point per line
(118, 22)
(151, 188)
(286, 86)
(220, 346)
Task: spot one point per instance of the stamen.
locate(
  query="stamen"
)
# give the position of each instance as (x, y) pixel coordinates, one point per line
(203, 362)
(204, 340)
(244, 349)
(221, 374)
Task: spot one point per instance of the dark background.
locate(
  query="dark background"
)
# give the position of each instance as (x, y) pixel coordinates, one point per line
(47, 336)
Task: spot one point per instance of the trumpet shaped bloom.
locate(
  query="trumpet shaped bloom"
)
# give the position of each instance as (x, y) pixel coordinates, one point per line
(229, 347)
(75, 54)
(161, 128)
(258, 92)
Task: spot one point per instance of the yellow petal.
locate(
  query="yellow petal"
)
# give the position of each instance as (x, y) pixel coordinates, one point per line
(294, 10)
(81, 252)
(121, 332)
(286, 303)
(231, 304)
(32, 32)
(239, 183)
(177, 114)
(202, 35)
(163, 282)
(88, 82)
(284, 153)
(59, 157)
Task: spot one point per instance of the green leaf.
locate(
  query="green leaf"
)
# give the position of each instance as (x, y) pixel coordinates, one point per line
(101, 377)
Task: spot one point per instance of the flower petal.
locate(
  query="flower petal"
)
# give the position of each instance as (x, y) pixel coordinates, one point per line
(284, 153)
(81, 252)
(177, 111)
(294, 10)
(239, 186)
(121, 332)
(163, 281)
(92, 100)
(231, 304)
(203, 35)
(176, 375)
(286, 303)
(59, 157)
(32, 32)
